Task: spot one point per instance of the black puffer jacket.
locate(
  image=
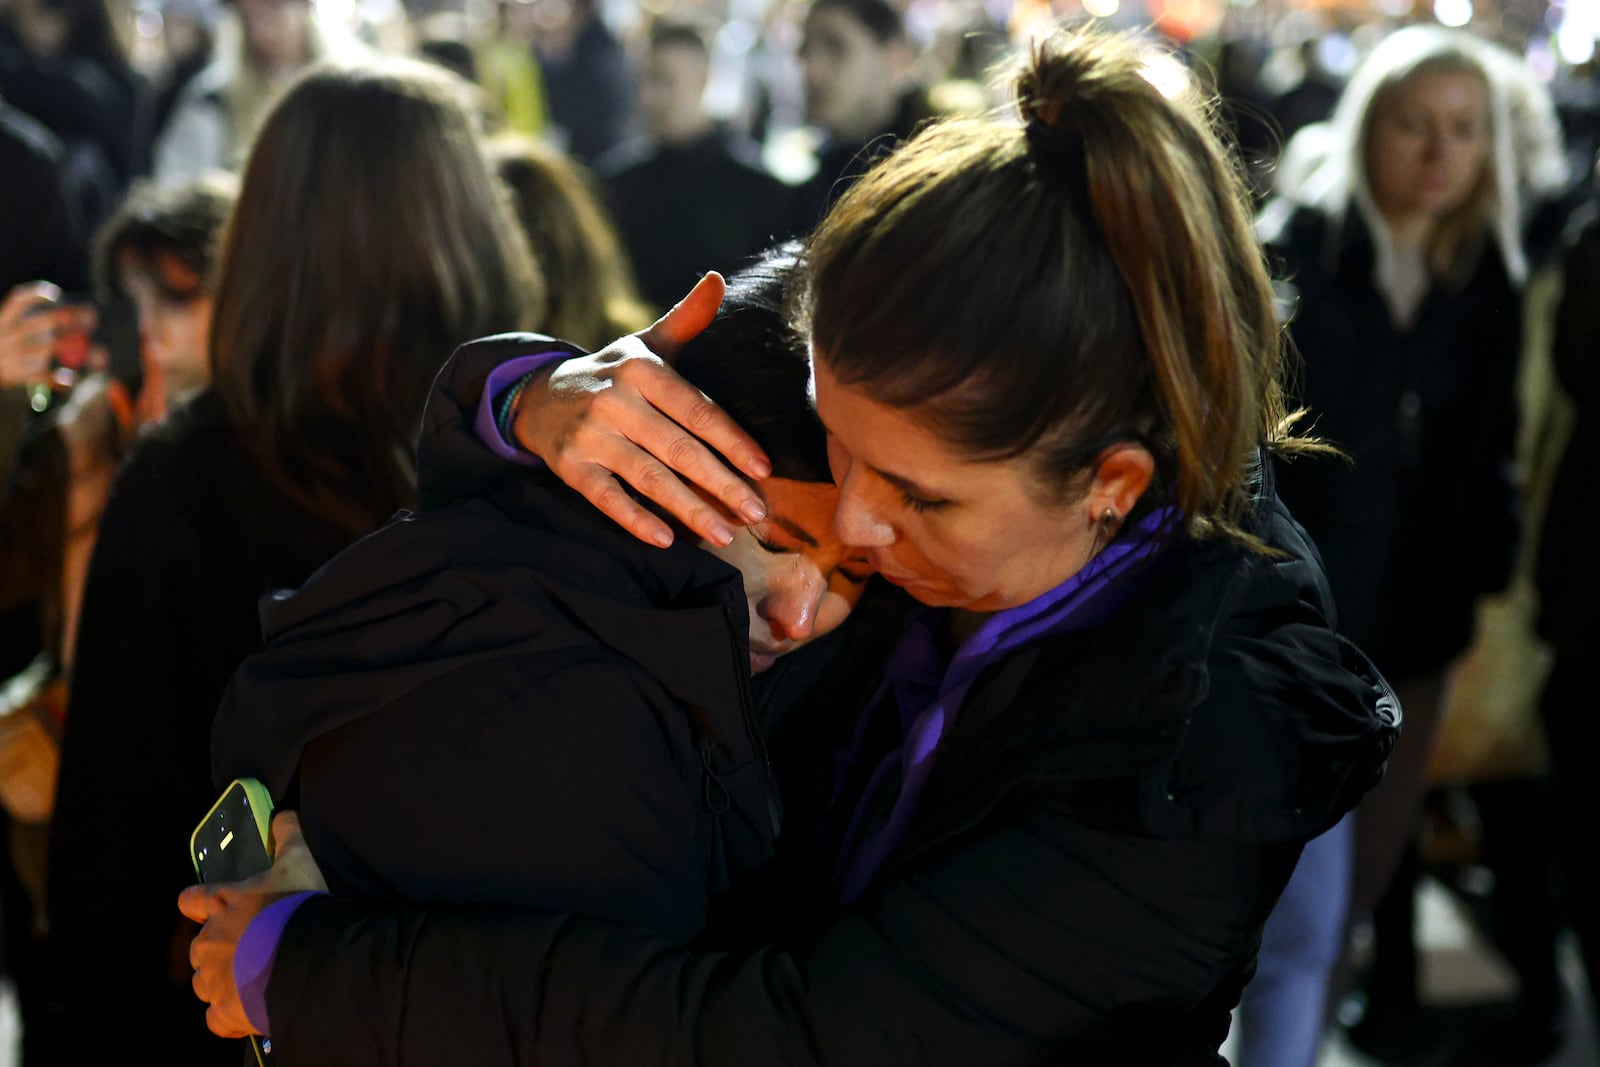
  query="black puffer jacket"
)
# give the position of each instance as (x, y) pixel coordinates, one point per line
(1113, 816)
(507, 700)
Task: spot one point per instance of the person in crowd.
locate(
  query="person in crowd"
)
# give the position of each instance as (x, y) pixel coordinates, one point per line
(1052, 822)
(1400, 237)
(508, 70)
(158, 251)
(260, 49)
(62, 63)
(1569, 583)
(50, 508)
(691, 195)
(855, 62)
(592, 297)
(322, 350)
(40, 231)
(188, 44)
(590, 699)
(588, 79)
(39, 239)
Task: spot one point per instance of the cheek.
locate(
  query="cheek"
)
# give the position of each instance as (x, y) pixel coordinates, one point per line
(833, 610)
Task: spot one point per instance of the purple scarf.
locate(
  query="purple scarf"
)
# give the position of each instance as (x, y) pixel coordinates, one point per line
(929, 693)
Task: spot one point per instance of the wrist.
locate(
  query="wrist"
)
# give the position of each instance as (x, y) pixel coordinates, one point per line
(521, 418)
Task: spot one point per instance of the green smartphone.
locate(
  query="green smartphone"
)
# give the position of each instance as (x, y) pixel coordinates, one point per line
(234, 842)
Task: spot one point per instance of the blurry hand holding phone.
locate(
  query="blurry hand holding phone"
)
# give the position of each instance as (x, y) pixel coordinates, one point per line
(234, 842)
(45, 339)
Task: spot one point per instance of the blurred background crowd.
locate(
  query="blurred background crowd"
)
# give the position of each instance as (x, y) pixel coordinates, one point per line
(225, 284)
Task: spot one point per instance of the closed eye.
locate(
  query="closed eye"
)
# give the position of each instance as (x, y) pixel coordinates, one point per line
(921, 504)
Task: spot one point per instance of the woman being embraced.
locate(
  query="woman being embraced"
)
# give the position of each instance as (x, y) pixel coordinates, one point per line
(1051, 824)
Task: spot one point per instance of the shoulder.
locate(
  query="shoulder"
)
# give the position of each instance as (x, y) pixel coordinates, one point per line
(1292, 723)
(24, 142)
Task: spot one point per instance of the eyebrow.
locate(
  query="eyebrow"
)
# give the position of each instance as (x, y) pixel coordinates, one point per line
(793, 529)
(905, 484)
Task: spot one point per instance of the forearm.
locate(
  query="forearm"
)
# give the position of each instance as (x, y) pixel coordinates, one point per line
(1002, 953)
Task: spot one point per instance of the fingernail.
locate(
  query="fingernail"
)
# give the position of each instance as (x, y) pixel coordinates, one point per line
(662, 537)
(721, 535)
(753, 510)
(759, 467)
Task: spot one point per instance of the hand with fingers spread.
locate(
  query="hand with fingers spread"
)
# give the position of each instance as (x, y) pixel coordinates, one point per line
(226, 910)
(32, 322)
(623, 413)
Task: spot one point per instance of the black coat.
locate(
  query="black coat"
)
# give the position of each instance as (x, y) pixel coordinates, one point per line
(1424, 519)
(682, 210)
(192, 536)
(506, 699)
(1113, 816)
(40, 236)
(1569, 577)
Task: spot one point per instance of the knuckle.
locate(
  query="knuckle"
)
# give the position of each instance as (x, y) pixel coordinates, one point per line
(652, 479)
(702, 415)
(701, 519)
(610, 499)
(681, 451)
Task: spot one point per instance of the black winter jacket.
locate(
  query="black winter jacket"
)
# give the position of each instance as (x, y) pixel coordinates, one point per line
(1424, 519)
(1568, 574)
(191, 538)
(508, 700)
(1113, 816)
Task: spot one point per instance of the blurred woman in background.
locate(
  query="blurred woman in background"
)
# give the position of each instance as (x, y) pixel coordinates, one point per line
(1397, 227)
(591, 294)
(259, 50)
(322, 350)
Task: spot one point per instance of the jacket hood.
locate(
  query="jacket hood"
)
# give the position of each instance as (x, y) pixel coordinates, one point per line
(431, 594)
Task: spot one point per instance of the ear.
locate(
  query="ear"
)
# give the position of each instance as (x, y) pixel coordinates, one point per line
(1120, 479)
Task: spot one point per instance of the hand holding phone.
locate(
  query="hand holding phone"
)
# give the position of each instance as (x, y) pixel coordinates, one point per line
(234, 842)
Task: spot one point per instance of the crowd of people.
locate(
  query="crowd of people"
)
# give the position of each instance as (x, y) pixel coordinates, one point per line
(1013, 622)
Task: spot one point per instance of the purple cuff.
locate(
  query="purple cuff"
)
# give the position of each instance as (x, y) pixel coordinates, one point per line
(500, 379)
(256, 951)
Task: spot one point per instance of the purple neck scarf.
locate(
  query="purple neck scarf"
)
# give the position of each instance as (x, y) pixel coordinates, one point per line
(928, 692)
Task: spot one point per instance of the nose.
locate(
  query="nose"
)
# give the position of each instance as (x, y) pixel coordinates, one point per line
(790, 606)
(857, 521)
(1433, 145)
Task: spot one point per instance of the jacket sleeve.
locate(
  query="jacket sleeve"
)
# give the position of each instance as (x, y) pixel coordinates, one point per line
(1038, 937)
(452, 464)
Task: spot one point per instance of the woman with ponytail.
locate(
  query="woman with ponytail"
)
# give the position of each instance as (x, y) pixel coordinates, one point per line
(1050, 824)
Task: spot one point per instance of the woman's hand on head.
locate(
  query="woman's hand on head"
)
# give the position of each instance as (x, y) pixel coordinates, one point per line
(225, 911)
(623, 415)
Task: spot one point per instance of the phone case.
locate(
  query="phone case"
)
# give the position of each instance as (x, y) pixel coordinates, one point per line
(261, 811)
(260, 808)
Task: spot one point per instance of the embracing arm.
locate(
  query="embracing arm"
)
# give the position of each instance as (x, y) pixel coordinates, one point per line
(1040, 936)
(619, 416)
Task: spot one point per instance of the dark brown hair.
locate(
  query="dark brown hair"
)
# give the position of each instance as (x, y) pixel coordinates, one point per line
(1055, 286)
(592, 299)
(182, 221)
(370, 239)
